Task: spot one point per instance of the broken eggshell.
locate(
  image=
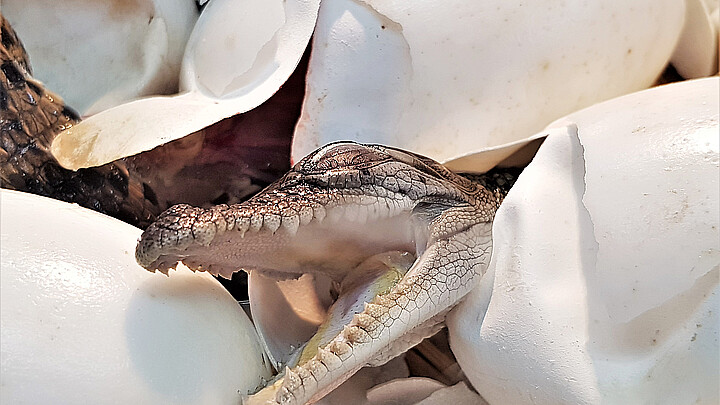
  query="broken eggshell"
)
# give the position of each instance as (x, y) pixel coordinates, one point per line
(101, 54)
(422, 391)
(444, 79)
(81, 322)
(604, 278)
(288, 312)
(238, 55)
(696, 54)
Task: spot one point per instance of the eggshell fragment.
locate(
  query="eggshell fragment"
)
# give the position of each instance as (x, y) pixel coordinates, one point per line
(447, 78)
(288, 312)
(403, 391)
(98, 54)
(238, 55)
(357, 389)
(81, 322)
(603, 286)
(696, 54)
(459, 393)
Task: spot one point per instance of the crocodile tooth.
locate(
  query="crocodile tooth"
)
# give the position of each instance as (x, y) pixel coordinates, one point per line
(292, 380)
(365, 321)
(306, 215)
(349, 334)
(242, 224)
(305, 375)
(319, 212)
(217, 216)
(328, 358)
(340, 349)
(256, 221)
(382, 301)
(229, 216)
(334, 215)
(291, 224)
(357, 334)
(203, 232)
(272, 222)
(379, 312)
(318, 369)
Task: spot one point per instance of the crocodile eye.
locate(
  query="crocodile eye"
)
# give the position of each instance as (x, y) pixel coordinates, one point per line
(341, 156)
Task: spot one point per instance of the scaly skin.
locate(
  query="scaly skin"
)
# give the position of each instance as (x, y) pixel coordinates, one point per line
(30, 118)
(334, 210)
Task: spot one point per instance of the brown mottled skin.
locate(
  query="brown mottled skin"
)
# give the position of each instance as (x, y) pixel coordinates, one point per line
(226, 162)
(30, 118)
(334, 210)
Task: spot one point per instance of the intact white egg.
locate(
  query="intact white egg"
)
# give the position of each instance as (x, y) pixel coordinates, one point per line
(81, 322)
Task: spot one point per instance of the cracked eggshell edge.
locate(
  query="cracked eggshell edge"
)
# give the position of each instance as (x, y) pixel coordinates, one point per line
(421, 76)
(220, 78)
(101, 54)
(604, 275)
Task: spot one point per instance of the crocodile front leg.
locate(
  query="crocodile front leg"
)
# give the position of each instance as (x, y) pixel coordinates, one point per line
(335, 209)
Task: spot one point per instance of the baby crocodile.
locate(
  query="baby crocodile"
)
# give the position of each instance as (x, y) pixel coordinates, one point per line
(340, 206)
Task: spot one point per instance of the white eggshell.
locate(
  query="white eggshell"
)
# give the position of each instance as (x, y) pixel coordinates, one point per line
(513, 154)
(603, 286)
(358, 388)
(444, 78)
(696, 54)
(459, 393)
(239, 54)
(97, 55)
(403, 391)
(81, 322)
(287, 313)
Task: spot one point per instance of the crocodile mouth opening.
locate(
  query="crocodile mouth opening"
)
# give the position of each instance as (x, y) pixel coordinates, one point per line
(333, 245)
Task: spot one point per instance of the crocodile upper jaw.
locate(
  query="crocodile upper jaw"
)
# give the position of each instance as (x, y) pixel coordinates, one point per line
(333, 247)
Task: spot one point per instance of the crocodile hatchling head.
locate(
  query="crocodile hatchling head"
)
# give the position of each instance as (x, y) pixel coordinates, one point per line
(340, 205)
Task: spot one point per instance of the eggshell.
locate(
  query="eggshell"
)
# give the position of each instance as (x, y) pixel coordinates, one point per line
(81, 322)
(445, 78)
(98, 54)
(287, 313)
(238, 55)
(696, 54)
(603, 285)
(403, 391)
(459, 393)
